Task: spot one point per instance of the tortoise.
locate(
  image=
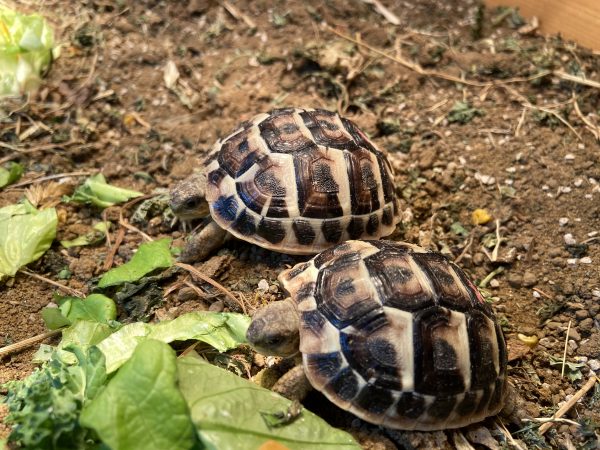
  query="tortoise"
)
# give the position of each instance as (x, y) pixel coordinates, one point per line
(393, 333)
(295, 181)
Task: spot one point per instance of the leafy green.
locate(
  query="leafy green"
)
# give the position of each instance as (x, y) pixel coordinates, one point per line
(463, 112)
(223, 331)
(93, 237)
(10, 175)
(84, 333)
(141, 407)
(95, 308)
(224, 411)
(149, 257)
(26, 51)
(44, 408)
(572, 369)
(25, 234)
(96, 191)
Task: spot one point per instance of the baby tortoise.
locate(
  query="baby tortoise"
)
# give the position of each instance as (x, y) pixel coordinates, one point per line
(295, 180)
(393, 333)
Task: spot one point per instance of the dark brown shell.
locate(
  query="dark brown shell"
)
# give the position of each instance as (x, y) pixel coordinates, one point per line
(398, 336)
(300, 181)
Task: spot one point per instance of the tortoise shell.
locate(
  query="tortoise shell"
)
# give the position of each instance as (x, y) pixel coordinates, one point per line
(398, 336)
(299, 181)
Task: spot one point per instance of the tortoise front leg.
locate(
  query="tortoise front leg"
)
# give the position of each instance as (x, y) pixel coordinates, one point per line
(202, 244)
(293, 384)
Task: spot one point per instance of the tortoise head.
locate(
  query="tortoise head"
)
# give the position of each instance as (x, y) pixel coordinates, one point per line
(188, 198)
(275, 329)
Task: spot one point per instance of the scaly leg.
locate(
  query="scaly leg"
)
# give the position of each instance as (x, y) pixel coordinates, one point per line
(293, 384)
(202, 244)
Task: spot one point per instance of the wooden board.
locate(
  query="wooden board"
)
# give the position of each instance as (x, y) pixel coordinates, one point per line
(578, 20)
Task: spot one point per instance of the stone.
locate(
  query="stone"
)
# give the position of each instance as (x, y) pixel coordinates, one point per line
(574, 334)
(529, 279)
(515, 280)
(594, 365)
(581, 314)
(586, 325)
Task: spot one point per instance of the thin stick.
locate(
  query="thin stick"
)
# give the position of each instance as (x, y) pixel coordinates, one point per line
(389, 15)
(500, 425)
(61, 287)
(110, 256)
(520, 124)
(555, 114)
(22, 345)
(574, 79)
(564, 363)
(569, 404)
(50, 177)
(236, 13)
(594, 129)
(212, 282)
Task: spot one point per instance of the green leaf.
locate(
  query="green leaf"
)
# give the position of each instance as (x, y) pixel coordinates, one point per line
(54, 319)
(25, 234)
(149, 257)
(141, 408)
(463, 112)
(84, 334)
(44, 407)
(10, 175)
(225, 411)
(96, 191)
(93, 237)
(26, 51)
(223, 331)
(94, 308)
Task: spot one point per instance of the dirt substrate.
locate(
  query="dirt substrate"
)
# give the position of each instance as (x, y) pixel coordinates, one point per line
(516, 138)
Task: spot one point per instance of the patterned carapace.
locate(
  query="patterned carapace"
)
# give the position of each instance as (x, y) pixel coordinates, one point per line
(299, 181)
(398, 336)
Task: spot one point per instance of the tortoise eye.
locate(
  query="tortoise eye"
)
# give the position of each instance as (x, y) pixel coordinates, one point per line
(193, 202)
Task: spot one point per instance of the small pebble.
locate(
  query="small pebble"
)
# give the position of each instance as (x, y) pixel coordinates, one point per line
(596, 293)
(574, 334)
(578, 182)
(585, 260)
(536, 294)
(494, 283)
(529, 279)
(485, 179)
(263, 285)
(594, 364)
(572, 261)
(515, 280)
(586, 325)
(563, 221)
(581, 314)
(569, 157)
(569, 239)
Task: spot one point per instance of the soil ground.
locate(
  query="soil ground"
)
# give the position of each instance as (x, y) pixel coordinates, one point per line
(517, 138)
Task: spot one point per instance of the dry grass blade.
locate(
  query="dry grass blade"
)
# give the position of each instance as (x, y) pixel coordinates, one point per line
(575, 79)
(26, 343)
(569, 404)
(61, 287)
(564, 362)
(386, 13)
(212, 282)
(50, 177)
(237, 14)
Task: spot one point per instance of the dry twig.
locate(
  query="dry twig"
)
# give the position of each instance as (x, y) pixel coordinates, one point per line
(223, 289)
(61, 287)
(22, 345)
(49, 177)
(569, 404)
(237, 14)
(381, 9)
(564, 362)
